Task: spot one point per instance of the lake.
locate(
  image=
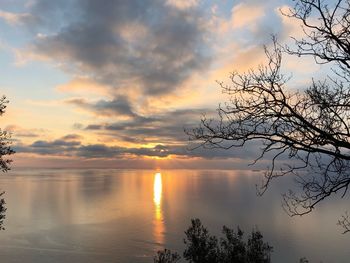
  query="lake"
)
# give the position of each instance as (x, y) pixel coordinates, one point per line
(127, 215)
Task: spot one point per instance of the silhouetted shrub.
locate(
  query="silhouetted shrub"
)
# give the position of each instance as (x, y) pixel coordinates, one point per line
(201, 247)
(166, 256)
(303, 260)
(257, 250)
(233, 248)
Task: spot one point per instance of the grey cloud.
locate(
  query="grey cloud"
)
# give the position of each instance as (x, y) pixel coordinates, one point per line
(28, 134)
(99, 151)
(69, 137)
(58, 148)
(18, 131)
(94, 127)
(166, 127)
(45, 148)
(117, 41)
(54, 15)
(118, 106)
(46, 144)
(66, 145)
(103, 151)
(71, 145)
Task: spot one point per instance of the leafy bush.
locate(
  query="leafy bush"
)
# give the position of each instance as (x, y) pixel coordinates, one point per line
(201, 247)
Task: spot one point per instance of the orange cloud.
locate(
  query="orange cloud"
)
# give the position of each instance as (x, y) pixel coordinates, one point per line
(183, 4)
(246, 15)
(16, 18)
(83, 84)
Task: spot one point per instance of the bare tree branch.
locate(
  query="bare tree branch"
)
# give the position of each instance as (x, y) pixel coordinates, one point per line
(311, 127)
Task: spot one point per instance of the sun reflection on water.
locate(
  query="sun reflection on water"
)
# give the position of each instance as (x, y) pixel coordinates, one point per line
(157, 199)
(157, 190)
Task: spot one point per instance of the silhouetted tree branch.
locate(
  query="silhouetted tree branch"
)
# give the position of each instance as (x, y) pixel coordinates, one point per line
(311, 128)
(344, 222)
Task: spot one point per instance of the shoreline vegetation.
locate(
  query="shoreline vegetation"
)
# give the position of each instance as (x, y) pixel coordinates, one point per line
(201, 247)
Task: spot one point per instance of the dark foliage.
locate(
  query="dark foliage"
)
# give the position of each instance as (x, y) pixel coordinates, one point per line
(311, 127)
(201, 247)
(2, 211)
(233, 247)
(303, 260)
(166, 256)
(257, 250)
(5, 149)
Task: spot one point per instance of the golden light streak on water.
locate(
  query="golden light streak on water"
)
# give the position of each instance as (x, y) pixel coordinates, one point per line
(157, 189)
(157, 199)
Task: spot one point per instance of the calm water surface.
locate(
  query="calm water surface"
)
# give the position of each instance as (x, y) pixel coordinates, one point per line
(127, 215)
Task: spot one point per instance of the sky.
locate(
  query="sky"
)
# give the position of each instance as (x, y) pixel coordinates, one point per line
(114, 83)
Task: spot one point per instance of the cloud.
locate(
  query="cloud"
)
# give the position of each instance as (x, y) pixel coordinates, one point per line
(99, 151)
(84, 85)
(71, 137)
(76, 150)
(55, 143)
(17, 18)
(167, 127)
(121, 121)
(134, 63)
(250, 19)
(145, 45)
(183, 4)
(18, 131)
(246, 14)
(119, 106)
(103, 151)
(64, 146)
(292, 27)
